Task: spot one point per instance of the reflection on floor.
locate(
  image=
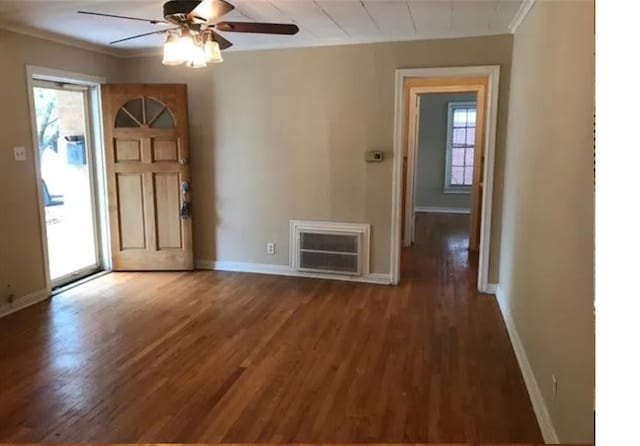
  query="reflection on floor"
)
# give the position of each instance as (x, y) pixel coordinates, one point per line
(441, 251)
(230, 357)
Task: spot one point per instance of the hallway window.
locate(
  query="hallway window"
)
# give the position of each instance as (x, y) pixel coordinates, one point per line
(461, 135)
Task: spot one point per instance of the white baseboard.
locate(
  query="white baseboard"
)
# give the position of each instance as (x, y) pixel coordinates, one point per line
(24, 302)
(284, 270)
(441, 210)
(492, 288)
(540, 408)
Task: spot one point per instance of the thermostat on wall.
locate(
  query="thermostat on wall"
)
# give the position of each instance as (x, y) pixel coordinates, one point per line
(374, 156)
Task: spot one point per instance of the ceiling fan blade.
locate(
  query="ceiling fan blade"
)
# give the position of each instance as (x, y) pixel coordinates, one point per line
(261, 28)
(224, 43)
(210, 10)
(145, 34)
(152, 21)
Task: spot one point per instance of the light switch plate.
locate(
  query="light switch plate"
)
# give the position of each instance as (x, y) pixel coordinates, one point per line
(374, 156)
(19, 153)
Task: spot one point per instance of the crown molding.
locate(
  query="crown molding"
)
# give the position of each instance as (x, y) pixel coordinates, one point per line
(141, 52)
(151, 52)
(525, 7)
(60, 39)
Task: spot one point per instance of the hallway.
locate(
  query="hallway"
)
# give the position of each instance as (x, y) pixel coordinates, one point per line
(231, 357)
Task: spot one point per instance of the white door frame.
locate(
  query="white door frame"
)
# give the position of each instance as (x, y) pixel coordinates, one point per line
(94, 131)
(492, 72)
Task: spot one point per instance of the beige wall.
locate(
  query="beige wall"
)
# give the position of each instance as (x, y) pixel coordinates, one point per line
(279, 135)
(547, 261)
(21, 255)
(276, 135)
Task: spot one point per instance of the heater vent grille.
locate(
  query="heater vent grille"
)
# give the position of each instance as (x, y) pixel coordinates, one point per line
(332, 248)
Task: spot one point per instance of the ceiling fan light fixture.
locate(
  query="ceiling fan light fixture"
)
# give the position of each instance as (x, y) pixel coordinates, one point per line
(172, 51)
(191, 39)
(197, 57)
(212, 52)
(186, 45)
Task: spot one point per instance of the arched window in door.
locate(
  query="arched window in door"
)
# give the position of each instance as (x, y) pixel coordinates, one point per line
(145, 112)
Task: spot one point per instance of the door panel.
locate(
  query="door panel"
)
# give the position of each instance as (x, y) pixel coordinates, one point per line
(164, 150)
(146, 132)
(167, 197)
(127, 150)
(131, 211)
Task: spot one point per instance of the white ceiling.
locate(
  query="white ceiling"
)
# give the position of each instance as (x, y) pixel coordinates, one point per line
(321, 22)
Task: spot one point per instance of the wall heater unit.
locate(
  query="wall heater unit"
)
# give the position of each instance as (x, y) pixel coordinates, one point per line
(330, 248)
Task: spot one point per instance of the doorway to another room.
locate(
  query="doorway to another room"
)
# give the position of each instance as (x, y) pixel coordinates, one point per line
(444, 167)
(445, 154)
(443, 162)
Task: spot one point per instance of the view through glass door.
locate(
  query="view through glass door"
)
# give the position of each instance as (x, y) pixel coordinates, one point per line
(67, 180)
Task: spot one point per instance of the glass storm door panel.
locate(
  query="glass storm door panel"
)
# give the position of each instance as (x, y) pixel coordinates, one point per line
(66, 168)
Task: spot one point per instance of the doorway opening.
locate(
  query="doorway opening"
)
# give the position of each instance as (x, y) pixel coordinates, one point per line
(68, 161)
(445, 148)
(443, 155)
(445, 145)
(66, 177)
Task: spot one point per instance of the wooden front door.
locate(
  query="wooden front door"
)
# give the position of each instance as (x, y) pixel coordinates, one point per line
(148, 176)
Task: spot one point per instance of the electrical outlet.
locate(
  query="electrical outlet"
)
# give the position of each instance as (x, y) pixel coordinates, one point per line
(271, 248)
(554, 380)
(19, 153)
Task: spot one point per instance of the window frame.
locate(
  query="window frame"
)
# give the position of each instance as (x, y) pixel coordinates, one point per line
(448, 187)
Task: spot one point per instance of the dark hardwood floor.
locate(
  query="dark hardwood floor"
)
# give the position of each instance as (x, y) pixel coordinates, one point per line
(230, 357)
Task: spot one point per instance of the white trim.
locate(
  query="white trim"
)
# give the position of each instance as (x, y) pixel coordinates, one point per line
(492, 288)
(525, 7)
(460, 190)
(33, 74)
(284, 270)
(24, 302)
(396, 179)
(284, 45)
(493, 74)
(60, 39)
(100, 170)
(412, 157)
(127, 53)
(52, 74)
(537, 401)
(442, 210)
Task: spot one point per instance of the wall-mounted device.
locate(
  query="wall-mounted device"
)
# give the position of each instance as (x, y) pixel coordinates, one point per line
(374, 156)
(19, 154)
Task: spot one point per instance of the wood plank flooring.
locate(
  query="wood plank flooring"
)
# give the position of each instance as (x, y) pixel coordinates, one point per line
(231, 357)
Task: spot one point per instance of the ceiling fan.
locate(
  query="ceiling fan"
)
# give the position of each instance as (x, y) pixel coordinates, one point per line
(190, 26)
